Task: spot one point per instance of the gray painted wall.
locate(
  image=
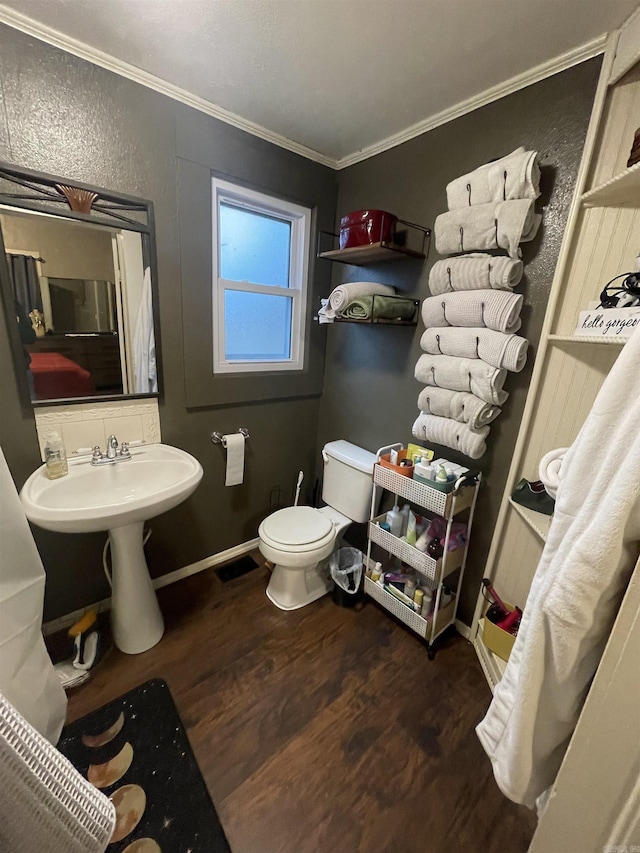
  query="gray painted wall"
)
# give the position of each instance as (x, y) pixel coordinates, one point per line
(66, 117)
(370, 393)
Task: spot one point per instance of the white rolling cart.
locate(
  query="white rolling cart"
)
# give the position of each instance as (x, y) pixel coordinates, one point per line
(433, 573)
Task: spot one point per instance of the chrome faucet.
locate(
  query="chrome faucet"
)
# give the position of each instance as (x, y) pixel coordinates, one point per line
(112, 447)
(112, 455)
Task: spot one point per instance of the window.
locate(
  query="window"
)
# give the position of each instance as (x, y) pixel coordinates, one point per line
(260, 269)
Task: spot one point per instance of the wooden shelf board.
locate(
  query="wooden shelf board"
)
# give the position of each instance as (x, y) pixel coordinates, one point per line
(587, 339)
(623, 190)
(371, 253)
(537, 521)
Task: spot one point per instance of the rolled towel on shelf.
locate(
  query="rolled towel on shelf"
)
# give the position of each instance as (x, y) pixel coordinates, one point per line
(463, 374)
(550, 470)
(458, 405)
(325, 313)
(476, 271)
(515, 176)
(451, 433)
(491, 309)
(379, 307)
(495, 348)
(342, 295)
(497, 225)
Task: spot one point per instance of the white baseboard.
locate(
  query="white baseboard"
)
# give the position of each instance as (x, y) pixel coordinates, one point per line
(462, 629)
(164, 580)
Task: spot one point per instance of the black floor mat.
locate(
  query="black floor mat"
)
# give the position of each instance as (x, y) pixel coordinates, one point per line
(239, 567)
(135, 749)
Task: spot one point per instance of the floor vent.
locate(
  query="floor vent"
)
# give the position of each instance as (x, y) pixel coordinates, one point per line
(236, 569)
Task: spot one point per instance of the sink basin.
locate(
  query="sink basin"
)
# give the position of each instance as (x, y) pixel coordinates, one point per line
(102, 497)
(119, 498)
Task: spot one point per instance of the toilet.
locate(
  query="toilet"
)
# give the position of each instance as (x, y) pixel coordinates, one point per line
(300, 539)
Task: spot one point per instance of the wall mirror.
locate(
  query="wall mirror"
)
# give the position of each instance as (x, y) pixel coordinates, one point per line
(78, 281)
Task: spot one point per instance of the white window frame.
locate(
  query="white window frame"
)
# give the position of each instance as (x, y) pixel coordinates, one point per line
(300, 219)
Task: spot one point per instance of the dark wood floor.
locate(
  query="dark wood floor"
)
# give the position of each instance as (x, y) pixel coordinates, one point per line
(323, 730)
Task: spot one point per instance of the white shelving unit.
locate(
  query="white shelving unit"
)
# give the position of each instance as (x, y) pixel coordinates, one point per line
(601, 241)
(433, 573)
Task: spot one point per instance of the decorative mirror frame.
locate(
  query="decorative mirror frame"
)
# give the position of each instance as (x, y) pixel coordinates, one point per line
(43, 193)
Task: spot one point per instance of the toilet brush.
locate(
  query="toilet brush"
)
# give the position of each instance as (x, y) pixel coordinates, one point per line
(298, 484)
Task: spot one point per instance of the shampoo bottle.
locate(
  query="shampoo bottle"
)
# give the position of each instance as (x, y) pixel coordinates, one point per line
(423, 470)
(394, 520)
(55, 457)
(411, 529)
(405, 512)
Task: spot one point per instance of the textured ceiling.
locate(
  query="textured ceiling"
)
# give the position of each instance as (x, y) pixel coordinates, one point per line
(336, 76)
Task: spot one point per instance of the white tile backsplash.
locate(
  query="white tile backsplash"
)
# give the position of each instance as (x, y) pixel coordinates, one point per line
(102, 412)
(82, 435)
(88, 424)
(127, 428)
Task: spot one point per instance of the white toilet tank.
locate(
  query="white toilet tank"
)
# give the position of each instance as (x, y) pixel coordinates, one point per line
(348, 482)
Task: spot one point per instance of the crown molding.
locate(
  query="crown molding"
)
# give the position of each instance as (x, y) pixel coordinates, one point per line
(40, 31)
(520, 81)
(27, 25)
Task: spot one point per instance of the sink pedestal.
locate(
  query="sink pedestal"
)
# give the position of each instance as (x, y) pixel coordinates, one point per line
(135, 615)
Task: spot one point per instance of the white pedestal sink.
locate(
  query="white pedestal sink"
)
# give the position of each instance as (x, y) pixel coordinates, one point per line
(119, 498)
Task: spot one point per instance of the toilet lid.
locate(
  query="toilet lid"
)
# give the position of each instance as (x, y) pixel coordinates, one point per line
(296, 525)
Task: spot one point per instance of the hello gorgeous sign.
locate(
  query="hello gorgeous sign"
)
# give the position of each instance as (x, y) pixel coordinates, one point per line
(608, 323)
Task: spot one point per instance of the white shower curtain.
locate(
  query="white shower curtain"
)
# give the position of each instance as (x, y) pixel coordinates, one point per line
(27, 677)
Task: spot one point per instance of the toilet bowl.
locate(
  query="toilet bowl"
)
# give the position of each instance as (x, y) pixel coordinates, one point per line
(300, 539)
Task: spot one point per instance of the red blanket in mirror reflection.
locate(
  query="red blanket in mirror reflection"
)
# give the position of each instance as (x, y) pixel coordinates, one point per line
(55, 376)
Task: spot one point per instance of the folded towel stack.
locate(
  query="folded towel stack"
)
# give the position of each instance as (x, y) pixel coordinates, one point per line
(472, 315)
(492, 309)
(475, 271)
(515, 176)
(458, 405)
(342, 295)
(463, 374)
(494, 348)
(379, 307)
(349, 294)
(451, 434)
(496, 225)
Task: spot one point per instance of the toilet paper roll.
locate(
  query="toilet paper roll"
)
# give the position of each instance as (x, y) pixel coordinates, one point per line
(234, 445)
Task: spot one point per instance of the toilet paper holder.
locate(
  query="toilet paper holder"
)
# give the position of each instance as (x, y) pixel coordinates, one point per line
(218, 437)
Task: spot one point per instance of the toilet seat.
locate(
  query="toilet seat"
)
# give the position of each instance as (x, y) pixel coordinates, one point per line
(297, 529)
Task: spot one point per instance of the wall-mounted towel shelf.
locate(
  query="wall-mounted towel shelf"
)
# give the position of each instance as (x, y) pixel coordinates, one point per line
(373, 253)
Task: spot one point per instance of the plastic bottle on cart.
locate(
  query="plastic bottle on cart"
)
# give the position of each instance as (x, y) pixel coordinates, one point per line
(423, 470)
(394, 520)
(427, 601)
(435, 548)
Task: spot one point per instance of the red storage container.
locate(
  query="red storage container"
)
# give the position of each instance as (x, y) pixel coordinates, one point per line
(363, 227)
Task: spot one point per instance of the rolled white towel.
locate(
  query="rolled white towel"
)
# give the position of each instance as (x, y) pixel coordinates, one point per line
(475, 271)
(497, 225)
(342, 295)
(326, 314)
(550, 470)
(463, 374)
(451, 434)
(496, 348)
(515, 176)
(492, 309)
(459, 405)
